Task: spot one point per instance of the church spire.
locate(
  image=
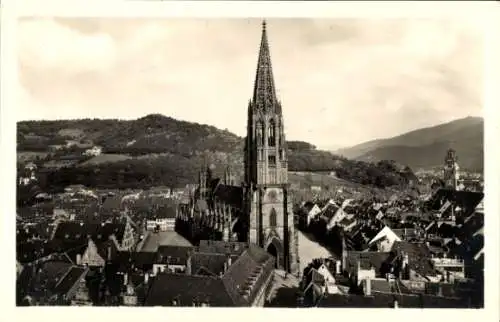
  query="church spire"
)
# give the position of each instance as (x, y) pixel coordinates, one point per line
(264, 94)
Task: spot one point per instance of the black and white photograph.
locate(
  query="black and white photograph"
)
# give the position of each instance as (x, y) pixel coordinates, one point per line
(275, 162)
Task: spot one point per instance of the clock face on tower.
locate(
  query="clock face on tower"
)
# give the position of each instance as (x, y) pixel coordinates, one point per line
(273, 195)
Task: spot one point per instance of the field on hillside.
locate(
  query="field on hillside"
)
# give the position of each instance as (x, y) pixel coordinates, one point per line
(73, 133)
(104, 158)
(303, 181)
(308, 179)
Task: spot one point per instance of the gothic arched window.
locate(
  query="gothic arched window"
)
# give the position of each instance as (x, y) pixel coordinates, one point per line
(272, 218)
(271, 139)
(260, 133)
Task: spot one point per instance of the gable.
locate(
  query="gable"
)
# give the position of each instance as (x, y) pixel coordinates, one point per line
(323, 270)
(314, 210)
(91, 255)
(387, 233)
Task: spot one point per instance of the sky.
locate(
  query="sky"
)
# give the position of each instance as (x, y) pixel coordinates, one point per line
(341, 81)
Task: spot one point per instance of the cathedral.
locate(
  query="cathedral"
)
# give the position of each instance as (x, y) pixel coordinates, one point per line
(259, 210)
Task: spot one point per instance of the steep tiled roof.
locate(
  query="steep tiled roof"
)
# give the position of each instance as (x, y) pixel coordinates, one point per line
(175, 255)
(184, 289)
(467, 200)
(247, 274)
(81, 231)
(73, 276)
(346, 221)
(330, 211)
(366, 260)
(32, 250)
(128, 261)
(418, 256)
(213, 263)
(113, 203)
(216, 246)
(469, 248)
(232, 195)
(47, 279)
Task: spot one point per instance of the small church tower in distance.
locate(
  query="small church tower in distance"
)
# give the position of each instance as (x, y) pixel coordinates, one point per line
(267, 199)
(451, 170)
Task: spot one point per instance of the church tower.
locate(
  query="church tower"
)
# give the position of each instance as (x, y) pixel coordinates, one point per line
(451, 175)
(266, 169)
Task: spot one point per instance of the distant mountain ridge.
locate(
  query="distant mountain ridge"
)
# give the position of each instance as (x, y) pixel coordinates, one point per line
(426, 147)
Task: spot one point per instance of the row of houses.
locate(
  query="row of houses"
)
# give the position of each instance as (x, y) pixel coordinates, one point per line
(212, 274)
(399, 254)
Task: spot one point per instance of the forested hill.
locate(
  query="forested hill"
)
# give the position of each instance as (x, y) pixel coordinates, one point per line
(159, 150)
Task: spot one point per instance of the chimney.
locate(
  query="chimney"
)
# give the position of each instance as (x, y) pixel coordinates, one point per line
(78, 259)
(125, 279)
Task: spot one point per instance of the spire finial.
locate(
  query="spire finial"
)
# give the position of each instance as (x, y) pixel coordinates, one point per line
(264, 83)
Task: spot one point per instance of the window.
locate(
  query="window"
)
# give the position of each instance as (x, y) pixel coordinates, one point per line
(260, 133)
(272, 218)
(271, 139)
(272, 160)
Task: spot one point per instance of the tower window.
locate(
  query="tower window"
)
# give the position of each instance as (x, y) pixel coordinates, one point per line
(260, 134)
(271, 139)
(272, 218)
(272, 160)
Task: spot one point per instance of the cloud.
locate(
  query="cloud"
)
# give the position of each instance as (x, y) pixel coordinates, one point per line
(45, 44)
(341, 81)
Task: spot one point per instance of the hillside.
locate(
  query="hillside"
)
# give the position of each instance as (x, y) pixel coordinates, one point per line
(426, 148)
(159, 150)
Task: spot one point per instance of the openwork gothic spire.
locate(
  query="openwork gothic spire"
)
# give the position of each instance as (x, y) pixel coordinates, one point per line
(264, 94)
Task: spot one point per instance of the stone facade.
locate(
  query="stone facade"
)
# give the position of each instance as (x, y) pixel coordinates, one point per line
(271, 223)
